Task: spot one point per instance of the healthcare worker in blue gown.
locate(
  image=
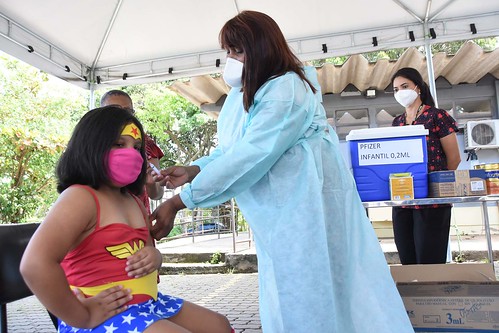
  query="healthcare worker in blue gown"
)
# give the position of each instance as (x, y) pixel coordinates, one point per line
(320, 266)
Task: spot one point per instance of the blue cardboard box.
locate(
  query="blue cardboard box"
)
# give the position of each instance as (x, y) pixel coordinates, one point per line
(457, 183)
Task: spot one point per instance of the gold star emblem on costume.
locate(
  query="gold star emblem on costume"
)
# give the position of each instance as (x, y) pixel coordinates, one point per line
(132, 131)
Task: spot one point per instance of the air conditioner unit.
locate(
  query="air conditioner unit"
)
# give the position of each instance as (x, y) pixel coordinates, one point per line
(482, 134)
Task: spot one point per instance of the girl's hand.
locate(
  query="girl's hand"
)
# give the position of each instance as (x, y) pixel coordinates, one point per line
(104, 305)
(143, 262)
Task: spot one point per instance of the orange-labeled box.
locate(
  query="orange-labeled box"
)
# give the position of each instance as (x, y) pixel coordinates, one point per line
(491, 176)
(401, 186)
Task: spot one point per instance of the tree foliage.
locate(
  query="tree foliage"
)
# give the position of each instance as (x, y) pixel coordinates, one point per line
(27, 186)
(38, 113)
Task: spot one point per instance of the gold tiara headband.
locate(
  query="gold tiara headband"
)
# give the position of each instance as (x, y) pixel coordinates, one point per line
(132, 131)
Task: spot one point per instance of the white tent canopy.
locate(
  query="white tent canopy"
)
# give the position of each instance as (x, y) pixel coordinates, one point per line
(98, 43)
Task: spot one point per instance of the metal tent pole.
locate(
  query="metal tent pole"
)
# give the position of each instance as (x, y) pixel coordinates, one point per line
(91, 102)
(429, 65)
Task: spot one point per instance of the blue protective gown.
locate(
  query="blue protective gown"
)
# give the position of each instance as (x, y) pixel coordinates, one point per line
(321, 268)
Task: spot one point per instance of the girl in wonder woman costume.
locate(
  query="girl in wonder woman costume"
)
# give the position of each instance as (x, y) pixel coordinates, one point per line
(91, 262)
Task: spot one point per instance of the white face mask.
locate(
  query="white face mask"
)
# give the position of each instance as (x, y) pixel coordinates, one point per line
(233, 73)
(406, 97)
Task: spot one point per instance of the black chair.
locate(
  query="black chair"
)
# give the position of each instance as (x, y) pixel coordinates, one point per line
(13, 241)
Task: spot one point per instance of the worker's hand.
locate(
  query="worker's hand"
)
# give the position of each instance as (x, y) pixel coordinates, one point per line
(165, 217)
(176, 176)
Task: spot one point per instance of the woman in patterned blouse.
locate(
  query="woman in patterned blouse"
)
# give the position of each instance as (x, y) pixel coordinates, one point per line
(422, 232)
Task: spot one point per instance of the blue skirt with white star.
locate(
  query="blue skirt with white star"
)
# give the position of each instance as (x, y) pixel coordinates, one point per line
(135, 319)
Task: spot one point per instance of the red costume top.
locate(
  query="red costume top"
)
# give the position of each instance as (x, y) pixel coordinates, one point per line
(99, 261)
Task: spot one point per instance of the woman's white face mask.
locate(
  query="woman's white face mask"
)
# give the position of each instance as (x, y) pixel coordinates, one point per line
(233, 73)
(406, 97)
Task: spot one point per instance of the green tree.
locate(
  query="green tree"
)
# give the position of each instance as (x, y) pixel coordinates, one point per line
(190, 134)
(27, 187)
(38, 113)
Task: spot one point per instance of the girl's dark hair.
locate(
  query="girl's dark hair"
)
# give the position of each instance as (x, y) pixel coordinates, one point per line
(85, 159)
(267, 54)
(413, 75)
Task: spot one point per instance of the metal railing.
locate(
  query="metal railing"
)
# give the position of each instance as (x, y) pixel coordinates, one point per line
(223, 219)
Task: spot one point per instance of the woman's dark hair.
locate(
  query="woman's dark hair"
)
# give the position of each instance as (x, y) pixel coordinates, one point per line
(267, 54)
(85, 159)
(413, 75)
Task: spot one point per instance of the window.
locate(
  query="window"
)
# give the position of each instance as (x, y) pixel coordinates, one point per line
(465, 110)
(346, 120)
(385, 115)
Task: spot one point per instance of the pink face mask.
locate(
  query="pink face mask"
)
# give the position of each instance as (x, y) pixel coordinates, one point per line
(125, 165)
